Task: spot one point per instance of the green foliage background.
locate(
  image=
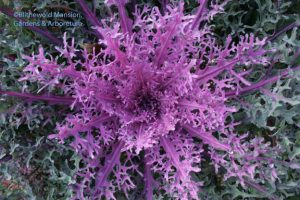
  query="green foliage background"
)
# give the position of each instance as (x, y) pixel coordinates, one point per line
(33, 167)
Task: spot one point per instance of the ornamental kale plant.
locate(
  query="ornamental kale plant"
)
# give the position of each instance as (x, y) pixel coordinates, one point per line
(150, 102)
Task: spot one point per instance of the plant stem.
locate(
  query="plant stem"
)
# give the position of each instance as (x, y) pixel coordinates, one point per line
(199, 14)
(52, 99)
(283, 30)
(260, 84)
(90, 16)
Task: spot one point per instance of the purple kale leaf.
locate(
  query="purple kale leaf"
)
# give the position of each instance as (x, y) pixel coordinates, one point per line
(153, 100)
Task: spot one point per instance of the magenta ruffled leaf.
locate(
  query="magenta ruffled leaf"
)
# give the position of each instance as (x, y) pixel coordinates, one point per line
(156, 92)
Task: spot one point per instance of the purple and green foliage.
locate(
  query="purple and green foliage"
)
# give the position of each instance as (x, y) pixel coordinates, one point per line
(163, 103)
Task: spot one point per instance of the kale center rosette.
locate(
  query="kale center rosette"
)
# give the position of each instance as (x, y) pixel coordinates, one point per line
(152, 100)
